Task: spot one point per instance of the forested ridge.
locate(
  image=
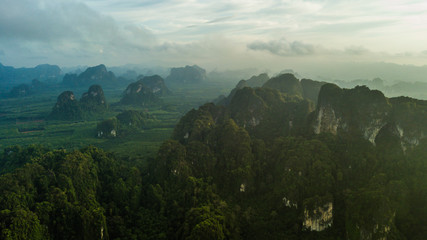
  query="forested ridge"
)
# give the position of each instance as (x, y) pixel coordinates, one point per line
(254, 168)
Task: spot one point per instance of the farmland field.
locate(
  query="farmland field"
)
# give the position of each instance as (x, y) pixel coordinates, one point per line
(25, 121)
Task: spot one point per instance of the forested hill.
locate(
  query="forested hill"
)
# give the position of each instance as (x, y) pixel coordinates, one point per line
(270, 163)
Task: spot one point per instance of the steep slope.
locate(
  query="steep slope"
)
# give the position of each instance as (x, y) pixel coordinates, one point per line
(138, 93)
(267, 113)
(261, 155)
(311, 89)
(254, 81)
(409, 117)
(285, 83)
(364, 112)
(125, 123)
(67, 107)
(186, 75)
(93, 100)
(264, 112)
(92, 75)
(157, 85)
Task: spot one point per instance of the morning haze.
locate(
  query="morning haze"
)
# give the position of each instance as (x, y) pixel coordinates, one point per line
(227, 119)
(319, 39)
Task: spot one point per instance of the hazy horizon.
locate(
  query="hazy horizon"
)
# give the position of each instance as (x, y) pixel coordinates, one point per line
(314, 38)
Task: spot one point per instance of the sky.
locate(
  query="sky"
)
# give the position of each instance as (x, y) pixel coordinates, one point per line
(220, 34)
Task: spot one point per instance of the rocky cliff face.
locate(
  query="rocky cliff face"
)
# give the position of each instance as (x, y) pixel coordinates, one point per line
(186, 75)
(92, 75)
(409, 117)
(67, 107)
(94, 100)
(127, 122)
(318, 219)
(157, 85)
(264, 112)
(138, 93)
(107, 128)
(364, 112)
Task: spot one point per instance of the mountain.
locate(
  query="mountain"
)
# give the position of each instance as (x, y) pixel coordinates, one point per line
(92, 75)
(286, 83)
(38, 85)
(157, 85)
(269, 165)
(263, 111)
(395, 89)
(139, 94)
(364, 112)
(186, 75)
(93, 100)
(91, 103)
(254, 81)
(328, 170)
(22, 90)
(67, 107)
(125, 123)
(44, 72)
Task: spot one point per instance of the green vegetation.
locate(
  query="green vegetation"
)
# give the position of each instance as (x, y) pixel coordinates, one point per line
(24, 121)
(253, 168)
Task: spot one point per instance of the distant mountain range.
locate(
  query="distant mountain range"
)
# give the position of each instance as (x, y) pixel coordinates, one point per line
(14, 76)
(92, 75)
(393, 80)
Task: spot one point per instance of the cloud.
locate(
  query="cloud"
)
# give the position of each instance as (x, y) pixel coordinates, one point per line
(356, 50)
(67, 28)
(283, 48)
(221, 19)
(114, 32)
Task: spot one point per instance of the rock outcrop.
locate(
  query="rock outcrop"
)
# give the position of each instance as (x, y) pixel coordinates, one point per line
(139, 94)
(264, 112)
(125, 123)
(132, 118)
(93, 100)
(157, 85)
(318, 219)
(186, 75)
(67, 107)
(285, 83)
(108, 128)
(92, 75)
(364, 112)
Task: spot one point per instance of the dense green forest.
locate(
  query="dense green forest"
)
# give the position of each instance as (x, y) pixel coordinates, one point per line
(268, 163)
